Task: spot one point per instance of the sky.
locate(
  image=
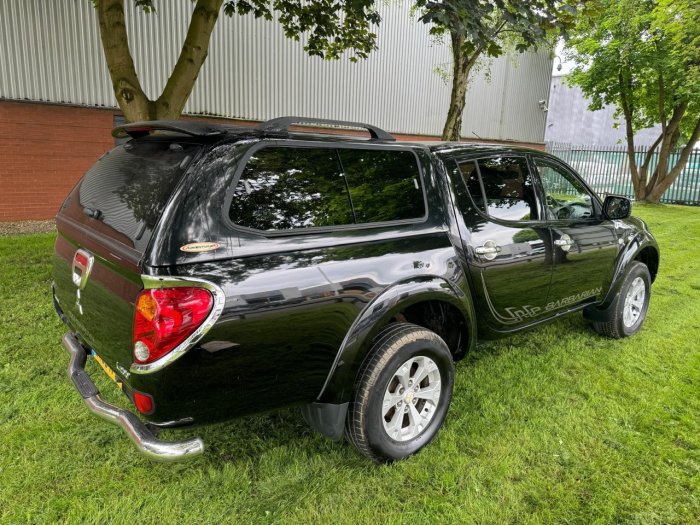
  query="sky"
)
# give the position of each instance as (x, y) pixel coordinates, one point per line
(566, 66)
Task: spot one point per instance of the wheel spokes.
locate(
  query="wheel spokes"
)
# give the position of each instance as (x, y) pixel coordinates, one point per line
(430, 393)
(390, 401)
(416, 421)
(634, 302)
(411, 398)
(403, 374)
(393, 428)
(425, 368)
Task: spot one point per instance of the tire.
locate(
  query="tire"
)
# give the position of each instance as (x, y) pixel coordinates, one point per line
(401, 353)
(618, 324)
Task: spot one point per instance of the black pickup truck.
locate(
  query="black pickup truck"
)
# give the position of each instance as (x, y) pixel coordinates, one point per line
(215, 271)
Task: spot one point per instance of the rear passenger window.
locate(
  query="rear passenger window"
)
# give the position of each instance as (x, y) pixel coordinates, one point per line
(383, 185)
(510, 194)
(286, 188)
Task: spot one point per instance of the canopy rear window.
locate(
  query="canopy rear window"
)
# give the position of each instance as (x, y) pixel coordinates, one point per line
(128, 188)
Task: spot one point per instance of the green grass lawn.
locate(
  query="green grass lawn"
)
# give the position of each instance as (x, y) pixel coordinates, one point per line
(556, 425)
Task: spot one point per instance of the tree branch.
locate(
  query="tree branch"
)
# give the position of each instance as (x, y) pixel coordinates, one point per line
(670, 139)
(685, 153)
(194, 52)
(677, 116)
(650, 153)
(631, 154)
(662, 104)
(127, 88)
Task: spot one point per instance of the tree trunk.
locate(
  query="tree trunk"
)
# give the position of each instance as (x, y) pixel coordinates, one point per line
(627, 110)
(665, 180)
(127, 89)
(462, 65)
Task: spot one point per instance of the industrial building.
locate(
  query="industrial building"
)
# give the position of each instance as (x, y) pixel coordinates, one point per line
(57, 107)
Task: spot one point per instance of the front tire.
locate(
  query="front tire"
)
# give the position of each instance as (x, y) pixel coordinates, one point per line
(402, 394)
(628, 310)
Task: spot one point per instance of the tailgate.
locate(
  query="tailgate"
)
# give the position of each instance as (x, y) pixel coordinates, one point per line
(104, 229)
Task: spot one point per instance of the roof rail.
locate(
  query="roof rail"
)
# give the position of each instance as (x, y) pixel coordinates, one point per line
(282, 124)
(185, 127)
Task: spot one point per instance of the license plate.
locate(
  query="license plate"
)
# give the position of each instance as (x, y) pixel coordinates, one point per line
(110, 373)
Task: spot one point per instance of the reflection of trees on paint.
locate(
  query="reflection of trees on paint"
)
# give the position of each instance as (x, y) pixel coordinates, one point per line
(283, 188)
(526, 235)
(471, 198)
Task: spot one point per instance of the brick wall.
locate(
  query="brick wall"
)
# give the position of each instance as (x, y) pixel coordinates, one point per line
(46, 148)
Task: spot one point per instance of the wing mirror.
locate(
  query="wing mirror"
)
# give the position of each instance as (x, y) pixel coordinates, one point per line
(616, 207)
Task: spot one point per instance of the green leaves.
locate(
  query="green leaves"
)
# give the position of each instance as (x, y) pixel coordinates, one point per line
(484, 24)
(643, 56)
(331, 26)
(642, 53)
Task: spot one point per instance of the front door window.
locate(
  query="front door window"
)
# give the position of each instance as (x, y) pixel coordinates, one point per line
(565, 197)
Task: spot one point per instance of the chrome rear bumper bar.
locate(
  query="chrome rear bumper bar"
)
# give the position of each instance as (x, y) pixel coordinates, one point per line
(137, 431)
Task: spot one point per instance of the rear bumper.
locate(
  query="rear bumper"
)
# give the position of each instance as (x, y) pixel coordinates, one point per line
(137, 431)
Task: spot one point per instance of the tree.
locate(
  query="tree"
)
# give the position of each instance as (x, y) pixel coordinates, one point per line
(331, 26)
(643, 56)
(481, 28)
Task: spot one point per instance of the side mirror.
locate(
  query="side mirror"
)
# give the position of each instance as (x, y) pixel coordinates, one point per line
(616, 207)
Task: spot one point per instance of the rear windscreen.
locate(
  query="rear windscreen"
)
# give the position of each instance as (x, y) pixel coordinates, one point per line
(128, 188)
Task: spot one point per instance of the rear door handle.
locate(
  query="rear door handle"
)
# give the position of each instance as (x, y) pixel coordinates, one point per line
(489, 250)
(564, 242)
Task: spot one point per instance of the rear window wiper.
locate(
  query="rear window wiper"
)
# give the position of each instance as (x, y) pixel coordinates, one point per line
(92, 213)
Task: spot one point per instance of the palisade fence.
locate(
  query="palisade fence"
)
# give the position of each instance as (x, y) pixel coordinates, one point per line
(606, 170)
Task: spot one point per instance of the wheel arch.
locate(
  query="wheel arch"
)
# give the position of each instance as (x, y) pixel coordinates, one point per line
(649, 255)
(404, 301)
(642, 248)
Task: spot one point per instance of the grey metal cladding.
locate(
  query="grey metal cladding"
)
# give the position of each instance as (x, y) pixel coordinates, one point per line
(570, 121)
(50, 51)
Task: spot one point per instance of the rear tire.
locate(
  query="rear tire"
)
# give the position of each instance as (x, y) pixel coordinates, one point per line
(402, 394)
(628, 310)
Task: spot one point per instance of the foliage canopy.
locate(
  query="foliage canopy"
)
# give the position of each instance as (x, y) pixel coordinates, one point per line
(482, 28)
(643, 56)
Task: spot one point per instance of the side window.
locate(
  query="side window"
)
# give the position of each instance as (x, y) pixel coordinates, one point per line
(565, 197)
(508, 188)
(470, 175)
(283, 188)
(383, 185)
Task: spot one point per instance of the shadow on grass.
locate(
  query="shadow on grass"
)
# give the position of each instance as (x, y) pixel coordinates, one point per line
(246, 439)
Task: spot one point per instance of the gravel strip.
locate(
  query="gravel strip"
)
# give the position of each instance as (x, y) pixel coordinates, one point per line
(27, 227)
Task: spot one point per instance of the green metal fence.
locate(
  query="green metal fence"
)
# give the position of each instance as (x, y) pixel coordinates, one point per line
(606, 170)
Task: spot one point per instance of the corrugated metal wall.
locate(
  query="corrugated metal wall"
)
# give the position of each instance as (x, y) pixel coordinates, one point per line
(570, 121)
(50, 51)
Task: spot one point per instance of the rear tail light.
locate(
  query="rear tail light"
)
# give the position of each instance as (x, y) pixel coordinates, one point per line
(165, 317)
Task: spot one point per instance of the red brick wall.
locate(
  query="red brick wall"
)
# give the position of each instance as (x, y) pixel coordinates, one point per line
(46, 148)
